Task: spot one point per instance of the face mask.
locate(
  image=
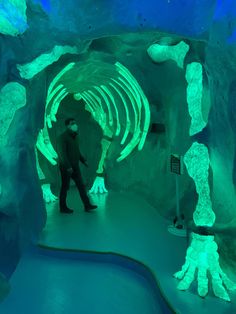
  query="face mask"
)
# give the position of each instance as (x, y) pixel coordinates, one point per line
(74, 127)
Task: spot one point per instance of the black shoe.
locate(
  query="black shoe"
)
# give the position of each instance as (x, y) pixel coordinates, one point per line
(66, 210)
(90, 207)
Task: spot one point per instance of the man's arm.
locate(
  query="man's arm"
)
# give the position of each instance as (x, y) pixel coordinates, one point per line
(83, 160)
(62, 152)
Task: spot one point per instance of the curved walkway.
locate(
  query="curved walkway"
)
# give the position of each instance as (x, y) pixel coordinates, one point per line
(126, 224)
(124, 233)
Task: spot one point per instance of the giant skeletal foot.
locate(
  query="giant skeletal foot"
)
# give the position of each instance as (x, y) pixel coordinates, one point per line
(48, 196)
(99, 182)
(202, 256)
(98, 186)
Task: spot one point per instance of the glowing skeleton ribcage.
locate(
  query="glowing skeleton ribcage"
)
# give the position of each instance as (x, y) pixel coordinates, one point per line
(113, 97)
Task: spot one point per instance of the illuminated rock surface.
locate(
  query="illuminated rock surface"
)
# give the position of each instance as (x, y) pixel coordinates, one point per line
(120, 31)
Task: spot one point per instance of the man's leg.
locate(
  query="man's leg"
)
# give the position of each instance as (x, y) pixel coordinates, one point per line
(65, 184)
(77, 177)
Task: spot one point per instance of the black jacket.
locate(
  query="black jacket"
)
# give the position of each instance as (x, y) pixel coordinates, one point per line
(69, 153)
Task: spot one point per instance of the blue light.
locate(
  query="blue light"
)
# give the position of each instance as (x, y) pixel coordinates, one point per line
(46, 5)
(225, 8)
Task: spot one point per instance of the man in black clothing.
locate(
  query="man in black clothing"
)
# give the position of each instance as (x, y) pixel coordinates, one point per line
(69, 156)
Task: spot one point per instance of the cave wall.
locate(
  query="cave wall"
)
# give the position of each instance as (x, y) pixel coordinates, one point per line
(80, 23)
(221, 67)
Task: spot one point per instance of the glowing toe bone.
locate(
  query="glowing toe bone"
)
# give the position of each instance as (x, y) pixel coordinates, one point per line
(48, 196)
(98, 186)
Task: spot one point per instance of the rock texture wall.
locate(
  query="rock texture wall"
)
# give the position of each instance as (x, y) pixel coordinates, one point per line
(207, 26)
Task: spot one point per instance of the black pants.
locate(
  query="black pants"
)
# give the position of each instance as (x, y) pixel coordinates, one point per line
(77, 177)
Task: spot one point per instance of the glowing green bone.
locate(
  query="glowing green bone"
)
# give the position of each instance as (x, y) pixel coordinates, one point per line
(88, 105)
(125, 72)
(161, 53)
(128, 149)
(48, 196)
(131, 105)
(202, 255)
(126, 87)
(43, 147)
(96, 99)
(128, 123)
(48, 143)
(39, 169)
(29, 70)
(95, 104)
(104, 97)
(98, 108)
(105, 147)
(55, 81)
(98, 186)
(197, 162)
(194, 97)
(136, 135)
(91, 106)
(56, 103)
(54, 92)
(109, 93)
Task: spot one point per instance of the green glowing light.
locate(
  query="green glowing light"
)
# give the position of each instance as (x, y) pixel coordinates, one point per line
(113, 102)
(55, 81)
(90, 106)
(99, 84)
(144, 100)
(123, 100)
(43, 144)
(39, 170)
(48, 196)
(54, 92)
(105, 147)
(106, 101)
(55, 105)
(160, 53)
(98, 109)
(98, 186)
(29, 70)
(202, 256)
(197, 162)
(194, 97)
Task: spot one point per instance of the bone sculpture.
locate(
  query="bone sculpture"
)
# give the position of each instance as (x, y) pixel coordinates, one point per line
(29, 70)
(194, 97)
(48, 196)
(202, 254)
(160, 53)
(44, 145)
(115, 100)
